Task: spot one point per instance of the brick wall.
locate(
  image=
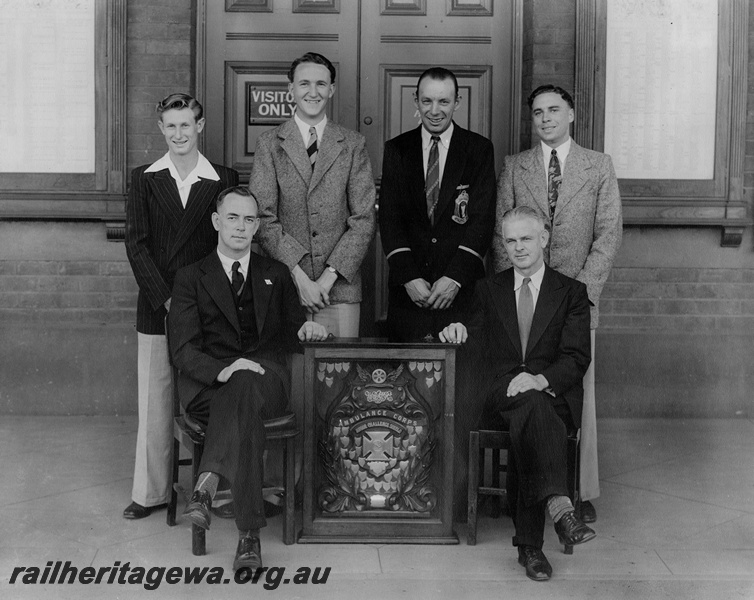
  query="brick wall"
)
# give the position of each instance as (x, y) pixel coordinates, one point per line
(160, 34)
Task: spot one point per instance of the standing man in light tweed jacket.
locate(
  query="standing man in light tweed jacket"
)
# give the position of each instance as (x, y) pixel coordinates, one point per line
(576, 191)
(314, 184)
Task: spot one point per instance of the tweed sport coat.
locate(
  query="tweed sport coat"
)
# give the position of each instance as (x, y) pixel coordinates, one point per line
(162, 236)
(320, 217)
(587, 226)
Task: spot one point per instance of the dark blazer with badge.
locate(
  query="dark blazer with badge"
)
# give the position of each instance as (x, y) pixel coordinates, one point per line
(205, 333)
(559, 345)
(457, 242)
(162, 236)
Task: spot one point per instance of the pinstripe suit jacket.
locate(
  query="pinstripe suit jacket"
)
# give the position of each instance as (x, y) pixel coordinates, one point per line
(162, 236)
(588, 222)
(320, 217)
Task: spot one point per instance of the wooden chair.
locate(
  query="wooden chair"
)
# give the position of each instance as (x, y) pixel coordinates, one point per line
(280, 432)
(482, 440)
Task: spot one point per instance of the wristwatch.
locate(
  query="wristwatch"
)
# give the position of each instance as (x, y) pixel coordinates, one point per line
(332, 269)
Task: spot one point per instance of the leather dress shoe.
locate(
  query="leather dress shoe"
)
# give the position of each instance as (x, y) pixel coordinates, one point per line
(572, 531)
(137, 511)
(534, 560)
(248, 554)
(587, 512)
(225, 511)
(197, 510)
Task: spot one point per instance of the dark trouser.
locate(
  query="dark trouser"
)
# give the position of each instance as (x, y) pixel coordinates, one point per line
(537, 460)
(234, 414)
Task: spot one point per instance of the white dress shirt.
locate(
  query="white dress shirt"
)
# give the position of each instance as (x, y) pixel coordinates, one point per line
(534, 285)
(203, 169)
(228, 265)
(304, 129)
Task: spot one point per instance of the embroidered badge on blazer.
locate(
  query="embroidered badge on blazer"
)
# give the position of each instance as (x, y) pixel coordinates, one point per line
(461, 209)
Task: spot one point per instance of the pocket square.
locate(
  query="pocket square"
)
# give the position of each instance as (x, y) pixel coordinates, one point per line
(268, 282)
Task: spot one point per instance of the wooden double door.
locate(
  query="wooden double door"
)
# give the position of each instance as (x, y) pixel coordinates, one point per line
(379, 47)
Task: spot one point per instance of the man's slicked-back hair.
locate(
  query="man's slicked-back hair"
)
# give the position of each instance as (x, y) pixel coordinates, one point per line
(312, 57)
(550, 89)
(440, 74)
(239, 190)
(178, 102)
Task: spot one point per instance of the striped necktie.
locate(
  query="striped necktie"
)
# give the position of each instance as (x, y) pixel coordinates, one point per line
(236, 280)
(432, 184)
(311, 147)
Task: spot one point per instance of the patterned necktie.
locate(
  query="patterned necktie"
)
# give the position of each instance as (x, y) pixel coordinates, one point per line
(525, 313)
(311, 147)
(553, 181)
(432, 185)
(236, 279)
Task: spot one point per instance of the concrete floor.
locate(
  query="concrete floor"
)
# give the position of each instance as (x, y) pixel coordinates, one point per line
(675, 520)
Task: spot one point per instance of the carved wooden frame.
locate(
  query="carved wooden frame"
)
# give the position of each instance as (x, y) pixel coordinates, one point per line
(675, 202)
(97, 196)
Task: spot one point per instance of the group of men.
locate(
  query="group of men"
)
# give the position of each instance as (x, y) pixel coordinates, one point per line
(553, 226)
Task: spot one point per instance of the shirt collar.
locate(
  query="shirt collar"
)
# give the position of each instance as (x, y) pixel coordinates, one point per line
(227, 263)
(562, 151)
(304, 128)
(203, 169)
(536, 278)
(444, 137)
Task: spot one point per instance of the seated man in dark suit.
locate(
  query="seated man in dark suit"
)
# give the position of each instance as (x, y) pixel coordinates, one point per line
(234, 317)
(534, 323)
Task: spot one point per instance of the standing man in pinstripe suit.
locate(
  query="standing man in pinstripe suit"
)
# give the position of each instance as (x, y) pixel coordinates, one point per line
(168, 226)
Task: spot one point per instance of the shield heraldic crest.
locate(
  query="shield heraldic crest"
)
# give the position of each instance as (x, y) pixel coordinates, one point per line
(377, 448)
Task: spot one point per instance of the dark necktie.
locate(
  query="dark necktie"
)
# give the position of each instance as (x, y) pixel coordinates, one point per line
(236, 279)
(553, 181)
(432, 186)
(311, 147)
(525, 314)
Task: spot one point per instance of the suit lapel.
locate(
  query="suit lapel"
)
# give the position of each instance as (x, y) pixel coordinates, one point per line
(166, 193)
(414, 167)
(329, 148)
(262, 291)
(574, 176)
(455, 163)
(293, 145)
(505, 304)
(215, 281)
(201, 196)
(535, 180)
(549, 299)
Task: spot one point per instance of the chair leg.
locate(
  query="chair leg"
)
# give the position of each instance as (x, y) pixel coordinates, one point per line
(573, 460)
(289, 515)
(173, 494)
(198, 535)
(473, 489)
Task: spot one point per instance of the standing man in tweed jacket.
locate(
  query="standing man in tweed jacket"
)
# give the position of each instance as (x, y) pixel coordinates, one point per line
(168, 226)
(576, 191)
(313, 181)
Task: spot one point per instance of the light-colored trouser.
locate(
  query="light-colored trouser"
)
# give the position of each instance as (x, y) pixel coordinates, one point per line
(342, 320)
(155, 435)
(590, 476)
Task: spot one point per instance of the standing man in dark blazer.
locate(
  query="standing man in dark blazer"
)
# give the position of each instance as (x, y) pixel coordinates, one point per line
(315, 188)
(576, 191)
(534, 324)
(436, 213)
(234, 317)
(168, 226)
